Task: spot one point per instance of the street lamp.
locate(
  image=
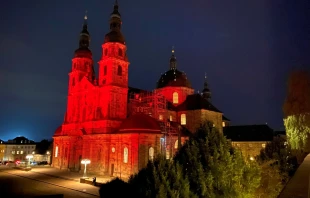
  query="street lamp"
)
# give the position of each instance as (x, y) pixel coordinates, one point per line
(29, 157)
(85, 162)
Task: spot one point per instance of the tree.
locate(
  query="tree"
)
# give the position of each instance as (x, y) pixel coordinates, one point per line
(296, 110)
(161, 178)
(214, 168)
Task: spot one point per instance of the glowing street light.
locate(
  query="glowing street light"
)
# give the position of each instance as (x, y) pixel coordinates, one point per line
(85, 162)
(29, 157)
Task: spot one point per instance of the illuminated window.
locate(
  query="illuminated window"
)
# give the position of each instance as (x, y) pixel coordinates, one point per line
(176, 144)
(13, 152)
(175, 96)
(105, 70)
(167, 152)
(238, 145)
(17, 152)
(263, 145)
(21, 141)
(21, 152)
(223, 124)
(161, 117)
(151, 153)
(56, 151)
(119, 70)
(113, 149)
(125, 155)
(120, 52)
(170, 118)
(183, 119)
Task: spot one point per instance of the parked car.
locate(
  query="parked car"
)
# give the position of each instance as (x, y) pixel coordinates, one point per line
(33, 163)
(43, 163)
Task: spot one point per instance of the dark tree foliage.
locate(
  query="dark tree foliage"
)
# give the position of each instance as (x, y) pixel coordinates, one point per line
(298, 94)
(43, 146)
(214, 168)
(116, 188)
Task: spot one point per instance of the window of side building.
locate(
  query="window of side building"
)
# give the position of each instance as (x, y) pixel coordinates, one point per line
(151, 153)
(125, 155)
(56, 151)
(175, 97)
(183, 119)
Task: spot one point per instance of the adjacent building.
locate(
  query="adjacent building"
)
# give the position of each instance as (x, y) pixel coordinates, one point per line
(118, 127)
(17, 149)
(250, 139)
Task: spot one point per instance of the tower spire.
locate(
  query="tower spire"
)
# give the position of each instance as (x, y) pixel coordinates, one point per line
(206, 93)
(173, 60)
(84, 35)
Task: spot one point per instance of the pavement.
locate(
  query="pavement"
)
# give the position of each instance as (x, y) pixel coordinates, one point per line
(67, 175)
(18, 183)
(298, 186)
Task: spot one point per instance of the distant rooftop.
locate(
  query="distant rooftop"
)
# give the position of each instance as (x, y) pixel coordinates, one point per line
(20, 140)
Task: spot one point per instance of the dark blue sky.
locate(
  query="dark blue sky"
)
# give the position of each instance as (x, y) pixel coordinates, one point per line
(246, 47)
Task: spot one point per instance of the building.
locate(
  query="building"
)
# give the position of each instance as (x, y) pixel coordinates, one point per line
(119, 128)
(250, 139)
(2, 149)
(18, 148)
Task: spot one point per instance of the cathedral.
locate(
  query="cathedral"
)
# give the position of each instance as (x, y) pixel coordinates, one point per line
(120, 128)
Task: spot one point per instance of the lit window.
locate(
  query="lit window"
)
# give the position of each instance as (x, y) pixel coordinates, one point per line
(170, 118)
(151, 153)
(160, 117)
(119, 70)
(21, 152)
(238, 145)
(17, 152)
(175, 98)
(183, 119)
(113, 149)
(176, 144)
(223, 124)
(263, 145)
(167, 152)
(21, 141)
(56, 151)
(125, 155)
(13, 152)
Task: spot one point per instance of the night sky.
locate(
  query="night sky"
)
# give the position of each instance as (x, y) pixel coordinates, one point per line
(246, 47)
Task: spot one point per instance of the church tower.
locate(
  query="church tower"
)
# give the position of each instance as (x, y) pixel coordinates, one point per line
(82, 62)
(206, 93)
(113, 70)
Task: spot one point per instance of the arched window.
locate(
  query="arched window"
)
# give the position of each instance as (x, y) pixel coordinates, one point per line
(175, 97)
(161, 117)
(105, 70)
(73, 81)
(170, 118)
(151, 153)
(176, 144)
(119, 70)
(106, 52)
(183, 119)
(56, 151)
(125, 155)
(120, 52)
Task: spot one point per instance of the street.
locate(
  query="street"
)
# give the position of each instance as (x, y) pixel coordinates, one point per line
(19, 183)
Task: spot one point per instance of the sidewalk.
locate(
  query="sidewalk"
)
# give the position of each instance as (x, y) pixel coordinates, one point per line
(64, 174)
(298, 186)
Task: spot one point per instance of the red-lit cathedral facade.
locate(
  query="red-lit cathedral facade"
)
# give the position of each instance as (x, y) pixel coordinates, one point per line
(120, 128)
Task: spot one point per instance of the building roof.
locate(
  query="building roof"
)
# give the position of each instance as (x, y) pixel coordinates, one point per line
(58, 131)
(249, 133)
(173, 78)
(195, 102)
(140, 123)
(20, 140)
(225, 118)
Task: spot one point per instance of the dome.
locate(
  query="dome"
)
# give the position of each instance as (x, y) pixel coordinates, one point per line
(140, 122)
(114, 36)
(173, 78)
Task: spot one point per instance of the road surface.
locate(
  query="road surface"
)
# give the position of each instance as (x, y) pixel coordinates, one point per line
(17, 183)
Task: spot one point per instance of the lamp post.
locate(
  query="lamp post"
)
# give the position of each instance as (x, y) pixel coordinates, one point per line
(85, 162)
(28, 157)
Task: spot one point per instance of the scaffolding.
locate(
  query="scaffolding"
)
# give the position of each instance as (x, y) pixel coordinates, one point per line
(156, 106)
